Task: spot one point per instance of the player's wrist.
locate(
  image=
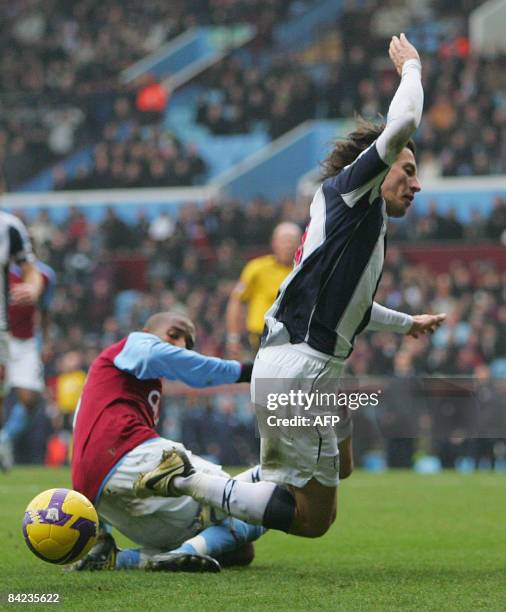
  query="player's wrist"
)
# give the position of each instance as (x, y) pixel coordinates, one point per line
(233, 338)
(246, 370)
(411, 64)
(408, 323)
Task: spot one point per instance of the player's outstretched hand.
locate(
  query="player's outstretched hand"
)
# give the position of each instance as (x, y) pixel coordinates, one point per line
(400, 51)
(425, 323)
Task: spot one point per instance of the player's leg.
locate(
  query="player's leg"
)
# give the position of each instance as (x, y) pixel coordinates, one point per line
(230, 535)
(316, 509)
(6, 456)
(159, 525)
(19, 416)
(306, 510)
(24, 375)
(300, 468)
(259, 503)
(317, 504)
(305, 455)
(270, 503)
(230, 542)
(307, 513)
(17, 421)
(154, 524)
(345, 458)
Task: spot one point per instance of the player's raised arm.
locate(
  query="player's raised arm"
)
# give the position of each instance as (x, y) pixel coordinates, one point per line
(405, 112)
(358, 163)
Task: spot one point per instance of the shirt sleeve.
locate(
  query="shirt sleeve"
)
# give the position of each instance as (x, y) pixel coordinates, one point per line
(366, 172)
(404, 114)
(20, 247)
(145, 356)
(385, 319)
(359, 177)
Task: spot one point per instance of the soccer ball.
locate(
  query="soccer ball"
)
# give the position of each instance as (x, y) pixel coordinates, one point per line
(60, 526)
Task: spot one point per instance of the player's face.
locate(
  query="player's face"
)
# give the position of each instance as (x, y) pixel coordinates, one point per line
(400, 184)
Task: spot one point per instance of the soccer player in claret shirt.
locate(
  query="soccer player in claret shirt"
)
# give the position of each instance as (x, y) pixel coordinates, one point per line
(115, 440)
(25, 372)
(322, 305)
(15, 247)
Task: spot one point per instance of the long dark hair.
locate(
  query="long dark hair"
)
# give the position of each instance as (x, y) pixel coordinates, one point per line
(346, 150)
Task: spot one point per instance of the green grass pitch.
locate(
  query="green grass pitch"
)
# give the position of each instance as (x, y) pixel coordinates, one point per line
(402, 541)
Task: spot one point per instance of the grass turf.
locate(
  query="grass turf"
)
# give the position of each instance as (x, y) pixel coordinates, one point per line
(402, 541)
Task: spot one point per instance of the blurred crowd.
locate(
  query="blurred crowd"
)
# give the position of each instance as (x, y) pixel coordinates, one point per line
(60, 67)
(239, 97)
(434, 225)
(143, 157)
(192, 262)
(463, 131)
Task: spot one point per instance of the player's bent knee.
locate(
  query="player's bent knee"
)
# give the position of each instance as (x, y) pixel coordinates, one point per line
(346, 472)
(313, 527)
(314, 530)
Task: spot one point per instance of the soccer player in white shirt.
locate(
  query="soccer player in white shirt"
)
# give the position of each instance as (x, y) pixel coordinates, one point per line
(322, 305)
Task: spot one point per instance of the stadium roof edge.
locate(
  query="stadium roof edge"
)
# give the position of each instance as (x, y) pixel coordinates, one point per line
(92, 197)
(143, 65)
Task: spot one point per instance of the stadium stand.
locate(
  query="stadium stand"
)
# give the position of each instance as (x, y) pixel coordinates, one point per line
(463, 93)
(70, 66)
(60, 66)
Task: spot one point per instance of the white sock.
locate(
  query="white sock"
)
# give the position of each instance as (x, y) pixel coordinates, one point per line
(254, 474)
(244, 500)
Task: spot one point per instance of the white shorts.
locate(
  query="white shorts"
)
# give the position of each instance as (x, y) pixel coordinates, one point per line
(24, 369)
(297, 452)
(154, 523)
